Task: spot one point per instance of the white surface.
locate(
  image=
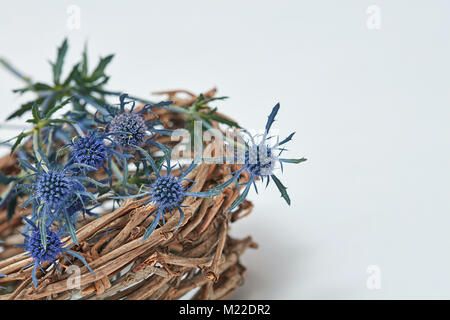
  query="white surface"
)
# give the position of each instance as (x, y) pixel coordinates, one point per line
(370, 108)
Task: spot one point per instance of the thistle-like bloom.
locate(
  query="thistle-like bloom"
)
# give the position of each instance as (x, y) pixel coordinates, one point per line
(95, 150)
(90, 150)
(53, 188)
(38, 253)
(260, 159)
(168, 192)
(47, 252)
(128, 128)
(53, 191)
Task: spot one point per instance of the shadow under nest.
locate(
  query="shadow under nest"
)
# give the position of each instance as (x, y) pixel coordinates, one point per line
(199, 260)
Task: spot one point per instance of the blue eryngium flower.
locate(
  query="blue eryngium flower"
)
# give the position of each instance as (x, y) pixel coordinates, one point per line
(260, 159)
(38, 253)
(128, 128)
(168, 192)
(54, 191)
(53, 188)
(90, 149)
(96, 149)
(48, 254)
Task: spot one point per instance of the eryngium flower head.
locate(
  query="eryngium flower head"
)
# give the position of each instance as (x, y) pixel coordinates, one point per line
(128, 129)
(167, 192)
(53, 187)
(34, 246)
(52, 191)
(48, 253)
(260, 160)
(90, 150)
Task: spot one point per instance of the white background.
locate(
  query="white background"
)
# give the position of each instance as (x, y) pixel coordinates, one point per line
(371, 109)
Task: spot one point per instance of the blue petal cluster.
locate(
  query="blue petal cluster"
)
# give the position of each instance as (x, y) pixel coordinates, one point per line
(37, 251)
(167, 192)
(259, 160)
(90, 150)
(53, 187)
(128, 129)
(56, 192)
(97, 150)
(127, 126)
(48, 253)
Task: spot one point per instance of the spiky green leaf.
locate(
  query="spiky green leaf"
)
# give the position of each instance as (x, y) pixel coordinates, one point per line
(282, 189)
(19, 139)
(57, 66)
(293, 160)
(24, 108)
(99, 71)
(272, 116)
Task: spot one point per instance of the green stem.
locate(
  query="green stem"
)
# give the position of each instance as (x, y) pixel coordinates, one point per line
(116, 170)
(36, 144)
